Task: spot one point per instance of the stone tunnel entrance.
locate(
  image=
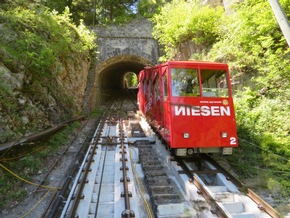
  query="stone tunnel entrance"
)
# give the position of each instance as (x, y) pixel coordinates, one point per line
(110, 76)
(121, 49)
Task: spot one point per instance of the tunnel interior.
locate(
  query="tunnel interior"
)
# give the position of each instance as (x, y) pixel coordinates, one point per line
(112, 77)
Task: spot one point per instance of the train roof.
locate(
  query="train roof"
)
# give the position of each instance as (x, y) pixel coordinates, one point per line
(195, 63)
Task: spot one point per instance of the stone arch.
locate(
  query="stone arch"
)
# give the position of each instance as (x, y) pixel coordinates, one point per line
(121, 49)
(109, 76)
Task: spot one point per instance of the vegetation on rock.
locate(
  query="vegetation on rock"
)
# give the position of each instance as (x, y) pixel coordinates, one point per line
(42, 55)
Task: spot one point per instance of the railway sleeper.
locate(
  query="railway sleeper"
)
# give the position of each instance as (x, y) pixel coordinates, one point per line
(137, 133)
(136, 126)
(165, 198)
(147, 161)
(152, 167)
(144, 147)
(146, 153)
(163, 189)
(155, 173)
(158, 181)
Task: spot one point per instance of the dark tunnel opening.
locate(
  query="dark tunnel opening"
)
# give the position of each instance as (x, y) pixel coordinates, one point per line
(112, 78)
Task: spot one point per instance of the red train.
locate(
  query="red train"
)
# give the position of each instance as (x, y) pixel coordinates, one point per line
(189, 103)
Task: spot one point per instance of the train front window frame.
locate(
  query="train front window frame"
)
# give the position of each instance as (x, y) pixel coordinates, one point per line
(185, 82)
(214, 83)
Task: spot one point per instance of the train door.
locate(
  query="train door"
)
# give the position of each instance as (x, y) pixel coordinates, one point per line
(149, 94)
(166, 109)
(220, 120)
(157, 102)
(141, 91)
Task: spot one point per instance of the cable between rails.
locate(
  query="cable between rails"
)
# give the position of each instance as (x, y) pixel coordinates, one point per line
(139, 185)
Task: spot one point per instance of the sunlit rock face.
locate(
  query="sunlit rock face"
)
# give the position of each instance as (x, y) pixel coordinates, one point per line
(30, 104)
(33, 101)
(73, 78)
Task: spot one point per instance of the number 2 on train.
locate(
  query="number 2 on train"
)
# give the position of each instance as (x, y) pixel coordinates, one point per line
(233, 141)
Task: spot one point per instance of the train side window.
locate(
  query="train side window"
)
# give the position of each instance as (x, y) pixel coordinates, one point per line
(165, 85)
(144, 86)
(214, 83)
(184, 82)
(156, 89)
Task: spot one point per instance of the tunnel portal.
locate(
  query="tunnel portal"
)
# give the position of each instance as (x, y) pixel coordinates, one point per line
(110, 75)
(121, 49)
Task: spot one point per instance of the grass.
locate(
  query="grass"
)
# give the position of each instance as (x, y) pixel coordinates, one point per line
(25, 162)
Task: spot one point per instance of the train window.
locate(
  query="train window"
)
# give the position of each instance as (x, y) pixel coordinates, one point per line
(156, 89)
(144, 86)
(165, 85)
(184, 82)
(214, 83)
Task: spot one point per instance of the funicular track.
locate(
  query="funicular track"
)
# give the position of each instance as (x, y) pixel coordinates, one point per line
(105, 186)
(204, 180)
(101, 187)
(227, 196)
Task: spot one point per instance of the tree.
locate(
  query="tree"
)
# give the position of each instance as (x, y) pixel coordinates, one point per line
(113, 10)
(148, 8)
(95, 11)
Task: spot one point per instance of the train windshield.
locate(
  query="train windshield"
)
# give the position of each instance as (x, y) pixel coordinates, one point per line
(214, 83)
(184, 82)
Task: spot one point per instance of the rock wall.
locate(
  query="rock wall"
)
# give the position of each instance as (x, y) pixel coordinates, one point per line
(28, 105)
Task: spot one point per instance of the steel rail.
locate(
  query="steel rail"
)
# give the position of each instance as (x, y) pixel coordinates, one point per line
(103, 167)
(262, 204)
(69, 178)
(130, 94)
(86, 170)
(218, 210)
(101, 181)
(127, 212)
(115, 117)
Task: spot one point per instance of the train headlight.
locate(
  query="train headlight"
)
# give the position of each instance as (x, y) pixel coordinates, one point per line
(190, 151)
(224, 134)
(186, 135)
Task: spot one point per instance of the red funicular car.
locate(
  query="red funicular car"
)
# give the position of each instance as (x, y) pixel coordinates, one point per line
(190, 104)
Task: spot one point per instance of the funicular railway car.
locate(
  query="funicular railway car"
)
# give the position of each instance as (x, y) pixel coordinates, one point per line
(189, 103)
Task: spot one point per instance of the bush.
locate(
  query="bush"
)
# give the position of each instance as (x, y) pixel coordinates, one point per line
(42, 37)
(180, 21)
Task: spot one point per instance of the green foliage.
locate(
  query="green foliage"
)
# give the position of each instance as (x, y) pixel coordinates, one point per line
(95, 12)
(29, 160)
(42, 38)
(114, 11)
(264, 118)
(181, 21)
(148, 8)
(131, 79)
(90, 12)
(35, 45)
(97, 113)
